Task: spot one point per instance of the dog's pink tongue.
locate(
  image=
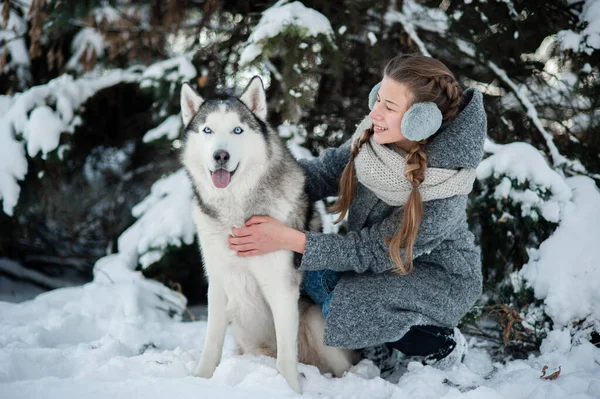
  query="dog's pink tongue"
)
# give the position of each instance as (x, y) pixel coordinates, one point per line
(221, 178)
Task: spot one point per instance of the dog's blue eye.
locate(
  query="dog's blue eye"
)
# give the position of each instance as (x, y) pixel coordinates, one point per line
(207, 130)
(238, 130)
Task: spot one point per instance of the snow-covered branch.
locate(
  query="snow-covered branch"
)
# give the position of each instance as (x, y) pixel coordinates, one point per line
(16, 270)
(557, 158)
(416, 16)
(279, 17)
(35, 119)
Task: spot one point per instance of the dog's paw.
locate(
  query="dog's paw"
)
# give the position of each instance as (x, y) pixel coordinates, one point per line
(290, 373)
(204, 372)
(294, 384)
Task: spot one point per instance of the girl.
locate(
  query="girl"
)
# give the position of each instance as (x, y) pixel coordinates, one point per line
(407, 270)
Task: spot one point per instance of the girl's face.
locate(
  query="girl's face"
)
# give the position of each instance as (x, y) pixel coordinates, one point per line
(393, 100)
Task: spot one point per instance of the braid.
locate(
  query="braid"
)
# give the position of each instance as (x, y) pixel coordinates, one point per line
(451, 89)
(364, 137)
(348, 179)
(416, 164)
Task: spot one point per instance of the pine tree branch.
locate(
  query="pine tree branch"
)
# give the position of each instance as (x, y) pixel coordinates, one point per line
(20, 3)
(557, 158)
(276, 74)
(397, 16)
(4, 42)
(153, 29)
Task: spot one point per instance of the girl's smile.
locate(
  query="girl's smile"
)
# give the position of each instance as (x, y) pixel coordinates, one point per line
(379, 129)
(393, 100)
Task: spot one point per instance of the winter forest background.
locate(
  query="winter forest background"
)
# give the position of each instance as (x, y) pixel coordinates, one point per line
(91, 187)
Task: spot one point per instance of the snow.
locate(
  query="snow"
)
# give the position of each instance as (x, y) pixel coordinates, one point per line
(521, 94)
(372, 38)
(13, 287)
(17, 290)
(13, 38)
(32, 122)
(163, 220)
(37, 117)
(562, 270)
(507, 160)
(109, 338)
(170, 127)
(107, 160)
(42, 131)
(177, 69)
(588, 40)
(85, 40)
(279, 17)
(425, 18)
(416, 16)
(466, 47)
(114, 337)
(14, 269)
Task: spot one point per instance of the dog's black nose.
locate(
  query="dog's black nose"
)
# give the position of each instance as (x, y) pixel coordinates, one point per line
(221, 156)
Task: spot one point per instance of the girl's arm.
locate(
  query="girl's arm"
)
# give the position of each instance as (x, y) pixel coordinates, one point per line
(366, 250)
(358, 251)
(323, 173)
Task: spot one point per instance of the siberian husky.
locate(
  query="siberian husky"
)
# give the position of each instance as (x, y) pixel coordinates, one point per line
(239, 167)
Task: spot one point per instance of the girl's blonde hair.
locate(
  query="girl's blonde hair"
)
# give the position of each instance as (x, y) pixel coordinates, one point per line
(429, 80)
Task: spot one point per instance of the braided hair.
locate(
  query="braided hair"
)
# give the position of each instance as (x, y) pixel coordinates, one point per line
(428, 80)
(348, 179)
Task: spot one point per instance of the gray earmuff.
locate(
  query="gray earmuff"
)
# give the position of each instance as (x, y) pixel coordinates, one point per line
(373, 95)
(421, 120)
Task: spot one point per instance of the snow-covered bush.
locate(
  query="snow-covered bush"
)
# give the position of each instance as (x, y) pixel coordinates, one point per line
(519, 209)
(291, 42)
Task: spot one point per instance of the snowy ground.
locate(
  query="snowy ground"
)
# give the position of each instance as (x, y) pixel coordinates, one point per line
(112, 338)
(106, 339)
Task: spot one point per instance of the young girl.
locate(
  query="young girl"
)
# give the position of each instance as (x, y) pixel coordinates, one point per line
(407, 270)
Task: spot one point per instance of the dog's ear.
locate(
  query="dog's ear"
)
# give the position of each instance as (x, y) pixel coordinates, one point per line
(254, 97)
(190, 102)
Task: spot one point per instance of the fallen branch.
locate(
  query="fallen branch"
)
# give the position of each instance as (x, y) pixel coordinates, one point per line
(16, 270)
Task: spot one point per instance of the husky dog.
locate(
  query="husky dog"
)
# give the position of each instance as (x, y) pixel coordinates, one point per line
(239, 167)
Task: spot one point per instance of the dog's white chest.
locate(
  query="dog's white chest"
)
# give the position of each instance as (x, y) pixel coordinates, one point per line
(242, 291)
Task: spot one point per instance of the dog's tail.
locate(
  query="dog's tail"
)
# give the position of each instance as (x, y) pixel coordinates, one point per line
(311, 347)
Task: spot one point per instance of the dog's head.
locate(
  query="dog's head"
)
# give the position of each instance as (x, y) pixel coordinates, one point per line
(224, 137)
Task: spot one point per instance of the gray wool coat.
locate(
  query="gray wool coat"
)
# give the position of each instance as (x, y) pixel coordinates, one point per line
(370, 304)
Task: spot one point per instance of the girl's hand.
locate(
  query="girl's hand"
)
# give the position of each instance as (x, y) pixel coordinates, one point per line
(264, 234)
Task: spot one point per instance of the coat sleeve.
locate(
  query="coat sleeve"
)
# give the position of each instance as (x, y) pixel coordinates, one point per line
(366, 250)
(323, 173)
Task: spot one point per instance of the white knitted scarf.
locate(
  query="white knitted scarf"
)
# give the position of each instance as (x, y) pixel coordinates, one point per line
(381, 169)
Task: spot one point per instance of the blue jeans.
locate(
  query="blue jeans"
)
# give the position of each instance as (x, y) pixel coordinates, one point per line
(319, 285)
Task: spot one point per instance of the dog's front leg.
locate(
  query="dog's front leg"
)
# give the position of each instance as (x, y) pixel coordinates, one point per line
(215, 332)
(283, 300)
